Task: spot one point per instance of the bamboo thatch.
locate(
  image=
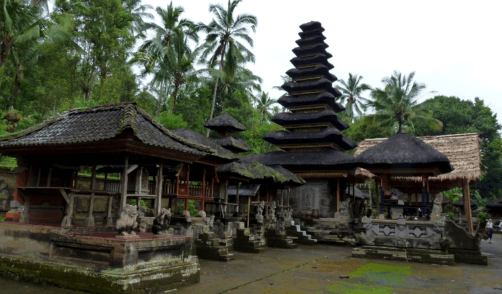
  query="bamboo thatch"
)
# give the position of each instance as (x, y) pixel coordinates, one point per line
(461, 149)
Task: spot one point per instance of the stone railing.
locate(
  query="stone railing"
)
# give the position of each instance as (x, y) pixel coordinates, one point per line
(402, 233)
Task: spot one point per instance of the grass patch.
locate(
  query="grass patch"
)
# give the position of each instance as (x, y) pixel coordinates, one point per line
(375, 268)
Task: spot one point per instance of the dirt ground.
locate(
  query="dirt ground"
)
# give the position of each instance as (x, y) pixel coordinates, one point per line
(328, 269)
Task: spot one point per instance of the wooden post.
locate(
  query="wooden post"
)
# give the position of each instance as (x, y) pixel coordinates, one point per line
(289, 193)
(123, 184)
(467, 206)
(75, 185)
(377, 197)
(108, 219)
(282, 201)
(49, 177)
(249, 208)
(38, 176)
(186, 204)
(203, 189)
(268, 204)
(159, 188)
(89, 221)
(337, 194)
(237, 198)
(225, 199)
(106, 181)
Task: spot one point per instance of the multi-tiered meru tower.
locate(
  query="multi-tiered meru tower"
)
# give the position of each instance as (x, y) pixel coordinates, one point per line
(315, 147)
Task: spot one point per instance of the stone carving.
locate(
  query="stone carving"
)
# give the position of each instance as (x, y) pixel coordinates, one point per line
(271, 212)
(210, 221)
(161, 222)
(436, 208)
(259, 212)
(308, 198)
(127, 221)
(458, 238)
(345, 207)
(201, 213)
(289, 214)
(367, 236)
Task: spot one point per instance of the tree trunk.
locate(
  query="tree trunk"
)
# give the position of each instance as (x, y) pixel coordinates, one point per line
(175, 94)
(160, 99)
(216, 85)
(4, 53)
(17, 83)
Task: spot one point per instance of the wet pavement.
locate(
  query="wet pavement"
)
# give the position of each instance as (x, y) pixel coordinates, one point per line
(328, 269)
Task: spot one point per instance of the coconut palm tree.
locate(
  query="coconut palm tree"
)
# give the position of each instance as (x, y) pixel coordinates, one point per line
(138, 13)
(223, 35)
(285, 79)
(351, 92)
(398, 104)
(264, 106)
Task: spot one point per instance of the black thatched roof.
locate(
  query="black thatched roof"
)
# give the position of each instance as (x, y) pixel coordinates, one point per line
(100, 123)
(460, 203)
(313, 40)
(403, 151)
(221, 152)
(358, 193)
(235, 145)
(225, 123)
(322, 160)
(244, 190)
(318, 58)
(307, 34)
(320, 84)
(323, 116)
(323, 98)
(314, 48)
(326, 135)
(296, 73)
(258, 173)
(495, 203)
(311, 25)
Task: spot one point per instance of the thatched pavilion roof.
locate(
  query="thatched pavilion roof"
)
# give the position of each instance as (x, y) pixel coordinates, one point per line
(461, 149)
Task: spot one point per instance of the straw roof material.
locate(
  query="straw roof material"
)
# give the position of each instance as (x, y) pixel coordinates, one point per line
(495, 203)
(461, 149)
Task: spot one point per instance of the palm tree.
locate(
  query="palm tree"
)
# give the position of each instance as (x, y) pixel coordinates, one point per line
(223, 34)
(398, 103)
(20, 22)
(351, 91)
(158, 55)
(138, 14)
(285, 79)
(264, 106)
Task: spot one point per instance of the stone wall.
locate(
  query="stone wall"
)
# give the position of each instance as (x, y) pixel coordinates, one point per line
(316, 194)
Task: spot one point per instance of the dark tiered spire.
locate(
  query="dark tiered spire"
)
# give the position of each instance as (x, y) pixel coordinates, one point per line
(225, 125)
(313, 124)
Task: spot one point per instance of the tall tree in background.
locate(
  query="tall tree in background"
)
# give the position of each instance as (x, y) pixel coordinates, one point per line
(223, 33)
(138, 13)
(398, 104)
(351, 95)
(264, 105)
(20, 22)
(157, 54)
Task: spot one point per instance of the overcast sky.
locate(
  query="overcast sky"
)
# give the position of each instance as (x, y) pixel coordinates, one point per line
(454, 47)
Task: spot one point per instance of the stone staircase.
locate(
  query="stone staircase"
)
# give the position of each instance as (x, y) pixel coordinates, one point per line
(301, 237)
(209, 247)
(245, 242)
(279, 239)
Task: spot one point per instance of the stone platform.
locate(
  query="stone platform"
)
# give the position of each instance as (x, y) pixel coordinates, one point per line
(80, 259)
(279, 239)
(209, 247)
(245, 242)
(411, 254)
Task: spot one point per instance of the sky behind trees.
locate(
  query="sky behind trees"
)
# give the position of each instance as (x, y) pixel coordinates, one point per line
(454, 46)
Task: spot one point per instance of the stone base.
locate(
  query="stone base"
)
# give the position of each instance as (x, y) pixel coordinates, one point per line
(469, 256)
(142, 279)
(209, 247)
(245, 242)
(392, 253)
(279, 239)
(128, 237)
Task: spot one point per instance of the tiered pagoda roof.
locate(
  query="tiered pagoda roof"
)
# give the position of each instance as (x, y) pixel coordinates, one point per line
(225, 125)
(313, 124)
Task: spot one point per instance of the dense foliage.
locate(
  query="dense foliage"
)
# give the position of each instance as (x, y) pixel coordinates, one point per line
(183, 72)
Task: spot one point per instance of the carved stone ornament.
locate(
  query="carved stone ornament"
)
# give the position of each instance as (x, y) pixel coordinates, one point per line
(127, 223)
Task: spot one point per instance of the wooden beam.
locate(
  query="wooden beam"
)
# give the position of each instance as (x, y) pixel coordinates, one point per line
(49, 177)
(132, 168)
(65, 196)
(467, 206)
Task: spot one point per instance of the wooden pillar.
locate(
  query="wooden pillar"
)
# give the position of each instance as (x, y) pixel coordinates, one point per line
(108, 219)
(337, 194)
(106, 181)
(89, 221)
(225, 199)
(202, 204)
(158, 189)
(288, 194)
(186, 204)
(49, 177)
(123, 184)
(377, 198)
(170, 203)
(266, 207)
(38, 176)
(467, 206)
(237, 198)
(249, 208)
(75, 185)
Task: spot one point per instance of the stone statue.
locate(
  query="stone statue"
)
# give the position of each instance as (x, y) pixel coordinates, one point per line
(436, 208)
(271, 212)
(289, 214)
(345, 207)
(259, 212)
(210, 221)
(127, 221)
(161, 222)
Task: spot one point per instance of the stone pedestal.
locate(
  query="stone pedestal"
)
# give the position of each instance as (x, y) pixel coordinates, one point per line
(245, 242)
(301, 237)
(279, 239)
(210, 247)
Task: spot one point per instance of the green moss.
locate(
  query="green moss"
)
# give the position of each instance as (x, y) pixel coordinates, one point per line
(375, 268)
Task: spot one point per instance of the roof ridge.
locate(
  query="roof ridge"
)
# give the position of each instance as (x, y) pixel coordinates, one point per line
(449, 135)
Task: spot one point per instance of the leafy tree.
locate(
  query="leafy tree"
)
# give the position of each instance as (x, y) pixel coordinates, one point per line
(263, 105)
(351, 92)
(138, 14)
(223, 34)
(398, 104)
(172, 121)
